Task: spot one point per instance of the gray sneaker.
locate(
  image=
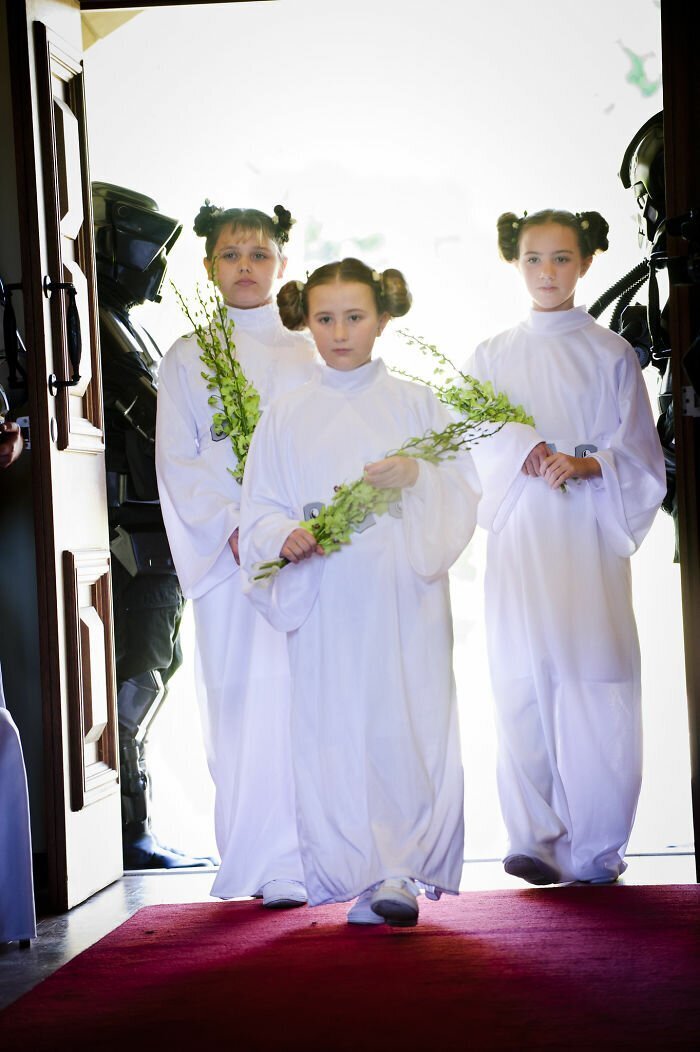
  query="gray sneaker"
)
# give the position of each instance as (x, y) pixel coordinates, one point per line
(283, 894)
(396, 900)
(361, 911)
(531, 869)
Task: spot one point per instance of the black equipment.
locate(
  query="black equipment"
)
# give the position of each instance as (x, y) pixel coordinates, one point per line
(132, 242)
(15, 353)
(646, 326)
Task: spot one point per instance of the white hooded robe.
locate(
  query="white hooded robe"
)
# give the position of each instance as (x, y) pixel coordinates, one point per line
(242, 664)
(375, 741)
(17, 917)
(563, 648)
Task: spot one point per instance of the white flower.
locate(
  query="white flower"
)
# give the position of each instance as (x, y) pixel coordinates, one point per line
(376, 276)
(300, 285)
(275, 219)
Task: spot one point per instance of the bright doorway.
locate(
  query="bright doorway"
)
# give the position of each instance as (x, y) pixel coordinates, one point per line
(398, 131)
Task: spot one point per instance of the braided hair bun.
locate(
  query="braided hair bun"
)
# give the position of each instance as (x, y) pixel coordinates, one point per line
(291, 301)
(593, 232)
(206, 218)
(508, 226)
(283, 221)
(395, 296)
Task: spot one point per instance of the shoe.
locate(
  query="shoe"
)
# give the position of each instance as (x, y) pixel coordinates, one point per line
(361, 911)
(531, 869)
(396, 900)
(283, 894)
(147, 852)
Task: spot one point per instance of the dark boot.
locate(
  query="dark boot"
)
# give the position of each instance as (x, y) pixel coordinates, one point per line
(142, 850)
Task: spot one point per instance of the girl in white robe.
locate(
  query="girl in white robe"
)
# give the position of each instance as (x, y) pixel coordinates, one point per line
(375, 742)
(563, 649)
(17, 915)
(242, 664)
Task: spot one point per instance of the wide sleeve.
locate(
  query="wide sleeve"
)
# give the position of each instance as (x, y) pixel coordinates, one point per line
(269, 513)
(439, 515)
(199, 497)
(439, 510)
(633, 483)
(499, 454)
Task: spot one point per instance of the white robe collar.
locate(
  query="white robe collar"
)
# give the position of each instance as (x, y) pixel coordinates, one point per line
(353, 380)
(262, 323)
(556, 322)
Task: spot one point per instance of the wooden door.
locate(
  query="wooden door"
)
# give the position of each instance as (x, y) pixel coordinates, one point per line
(72, 544)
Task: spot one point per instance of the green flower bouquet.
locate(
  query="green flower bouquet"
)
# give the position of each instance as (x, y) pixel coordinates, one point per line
(235, 400)
(480, 413)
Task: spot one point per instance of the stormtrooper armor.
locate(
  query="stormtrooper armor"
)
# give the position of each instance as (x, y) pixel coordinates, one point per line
(132, 241)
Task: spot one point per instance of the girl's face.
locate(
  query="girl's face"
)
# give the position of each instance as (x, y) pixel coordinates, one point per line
(245, 266)
(551, 263)
(344, 323)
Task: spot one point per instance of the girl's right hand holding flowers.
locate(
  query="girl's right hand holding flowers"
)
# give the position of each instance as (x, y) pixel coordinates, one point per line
(300, 544)
(392, 472)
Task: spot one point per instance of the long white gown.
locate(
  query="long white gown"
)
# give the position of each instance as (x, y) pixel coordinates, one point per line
(375, 740)
(563, 648)
(242, 664)
(17, 918)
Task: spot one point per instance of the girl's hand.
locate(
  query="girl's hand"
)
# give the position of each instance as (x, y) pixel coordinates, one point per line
(557, 468)
(301, 544)
(392, 473)
(233, 545)
(533, 462)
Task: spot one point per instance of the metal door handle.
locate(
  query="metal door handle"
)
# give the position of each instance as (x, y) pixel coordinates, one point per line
(73, 333)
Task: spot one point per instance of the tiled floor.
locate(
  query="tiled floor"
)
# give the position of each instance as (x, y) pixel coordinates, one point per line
(63, 937)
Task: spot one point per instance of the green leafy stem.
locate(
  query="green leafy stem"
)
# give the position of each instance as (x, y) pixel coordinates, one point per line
(475, 400)
(235, 400)
(481, 413)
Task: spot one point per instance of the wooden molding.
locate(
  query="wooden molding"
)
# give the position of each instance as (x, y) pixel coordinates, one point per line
(69, 222)
(93, 746)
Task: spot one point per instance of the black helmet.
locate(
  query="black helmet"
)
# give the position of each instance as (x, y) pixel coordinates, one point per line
(132, 241)
(642, 170)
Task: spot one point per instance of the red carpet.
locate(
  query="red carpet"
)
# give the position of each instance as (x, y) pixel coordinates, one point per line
(565, 969)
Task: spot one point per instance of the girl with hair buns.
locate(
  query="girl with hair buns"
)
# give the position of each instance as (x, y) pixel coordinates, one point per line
(243, 671)
(569, 502)
(375, 742)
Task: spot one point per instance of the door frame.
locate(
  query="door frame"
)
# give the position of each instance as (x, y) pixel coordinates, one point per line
(81, 769)
(681, 90)
(681, 97)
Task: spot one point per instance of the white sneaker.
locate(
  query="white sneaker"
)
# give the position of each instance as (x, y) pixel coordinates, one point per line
(283, 894)
(361, 911)
(396, 900)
